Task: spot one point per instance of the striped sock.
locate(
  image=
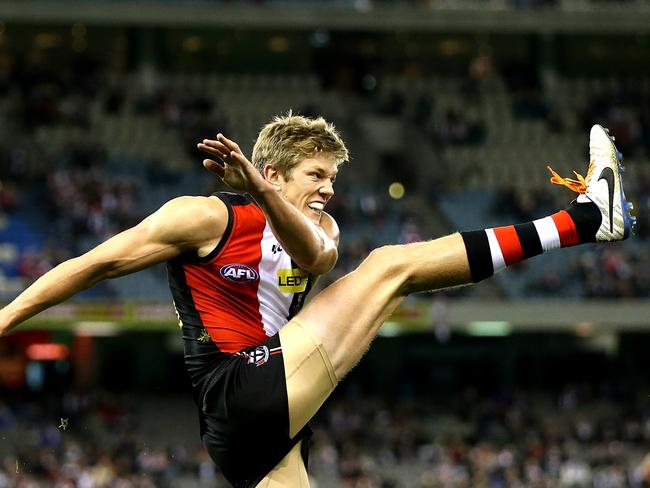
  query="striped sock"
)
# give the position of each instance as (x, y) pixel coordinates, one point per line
(491, 250)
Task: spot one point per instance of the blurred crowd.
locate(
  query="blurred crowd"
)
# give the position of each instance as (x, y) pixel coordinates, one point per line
(74, 201)
(93, 440)
(574, 439)
(577, 438)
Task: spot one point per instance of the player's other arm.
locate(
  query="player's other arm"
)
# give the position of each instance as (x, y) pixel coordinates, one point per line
(181, 225)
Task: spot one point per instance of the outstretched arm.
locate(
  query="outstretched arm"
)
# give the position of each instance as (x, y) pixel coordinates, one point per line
(312, 246)
(181, 225)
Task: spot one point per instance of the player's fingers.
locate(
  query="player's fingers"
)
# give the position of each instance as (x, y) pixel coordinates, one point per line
(214, 147)
(214, 167)
(239, 158)
(218, 157)
(213, 143)
(232, 145)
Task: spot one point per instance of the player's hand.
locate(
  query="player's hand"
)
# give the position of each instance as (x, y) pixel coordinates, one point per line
(231, 165)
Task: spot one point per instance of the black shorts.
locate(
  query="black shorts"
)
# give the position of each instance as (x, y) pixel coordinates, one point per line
(244, 415)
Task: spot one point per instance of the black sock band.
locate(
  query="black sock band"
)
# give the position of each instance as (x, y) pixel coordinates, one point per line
(478, 254)
(529, 240)
(587, 219)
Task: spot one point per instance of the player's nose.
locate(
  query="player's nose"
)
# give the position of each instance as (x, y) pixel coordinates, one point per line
(327, 189)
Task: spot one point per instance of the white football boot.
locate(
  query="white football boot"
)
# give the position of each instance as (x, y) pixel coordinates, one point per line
(603, 186)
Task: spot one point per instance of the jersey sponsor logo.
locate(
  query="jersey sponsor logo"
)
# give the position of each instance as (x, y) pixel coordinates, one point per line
(238, 273)
(292, 280)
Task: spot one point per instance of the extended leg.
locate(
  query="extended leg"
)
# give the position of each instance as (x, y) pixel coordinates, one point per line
(347, 315)
(331, 334)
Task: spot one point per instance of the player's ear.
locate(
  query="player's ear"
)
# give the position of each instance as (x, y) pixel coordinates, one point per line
(272, 175)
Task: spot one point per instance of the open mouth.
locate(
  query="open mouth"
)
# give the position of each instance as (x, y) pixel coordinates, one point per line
(316, 207)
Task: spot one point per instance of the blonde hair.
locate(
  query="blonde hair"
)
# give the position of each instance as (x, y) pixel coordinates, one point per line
(287, 140)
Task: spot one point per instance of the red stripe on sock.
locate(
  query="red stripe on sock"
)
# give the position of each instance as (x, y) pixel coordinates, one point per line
(509, 244)
(566, 228)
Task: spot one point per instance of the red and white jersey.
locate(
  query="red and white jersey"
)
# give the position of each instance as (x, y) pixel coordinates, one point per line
(246, 289)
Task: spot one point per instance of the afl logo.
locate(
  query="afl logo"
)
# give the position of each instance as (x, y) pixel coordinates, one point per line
(238, 273)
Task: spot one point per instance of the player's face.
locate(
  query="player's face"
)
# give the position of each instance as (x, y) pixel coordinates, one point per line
(310, 185)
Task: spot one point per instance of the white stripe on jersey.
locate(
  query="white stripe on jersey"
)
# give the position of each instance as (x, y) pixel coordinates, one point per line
(274, 304)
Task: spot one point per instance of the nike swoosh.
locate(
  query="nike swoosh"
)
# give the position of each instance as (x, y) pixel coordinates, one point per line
(607, 174)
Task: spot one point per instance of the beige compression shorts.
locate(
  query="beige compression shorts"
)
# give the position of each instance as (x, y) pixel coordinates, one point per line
(308, 371)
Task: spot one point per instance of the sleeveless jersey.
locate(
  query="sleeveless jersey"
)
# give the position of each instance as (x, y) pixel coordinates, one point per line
(241, 293)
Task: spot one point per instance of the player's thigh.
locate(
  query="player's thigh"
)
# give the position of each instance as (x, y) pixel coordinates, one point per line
(309, 374)
(347, 314)
(329, 336)
(290, 472)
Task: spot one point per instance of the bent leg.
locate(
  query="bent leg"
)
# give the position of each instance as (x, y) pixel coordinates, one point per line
(290, 471)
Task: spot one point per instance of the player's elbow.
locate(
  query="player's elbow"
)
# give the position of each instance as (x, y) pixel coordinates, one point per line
(321, 263)
(91, 271)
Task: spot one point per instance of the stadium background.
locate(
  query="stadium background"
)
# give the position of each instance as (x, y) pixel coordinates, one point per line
(451, 109)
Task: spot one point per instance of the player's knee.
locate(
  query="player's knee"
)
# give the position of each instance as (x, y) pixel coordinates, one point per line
(386, 263)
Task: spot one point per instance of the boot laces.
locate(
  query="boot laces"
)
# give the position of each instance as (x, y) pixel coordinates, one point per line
(579, 185)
